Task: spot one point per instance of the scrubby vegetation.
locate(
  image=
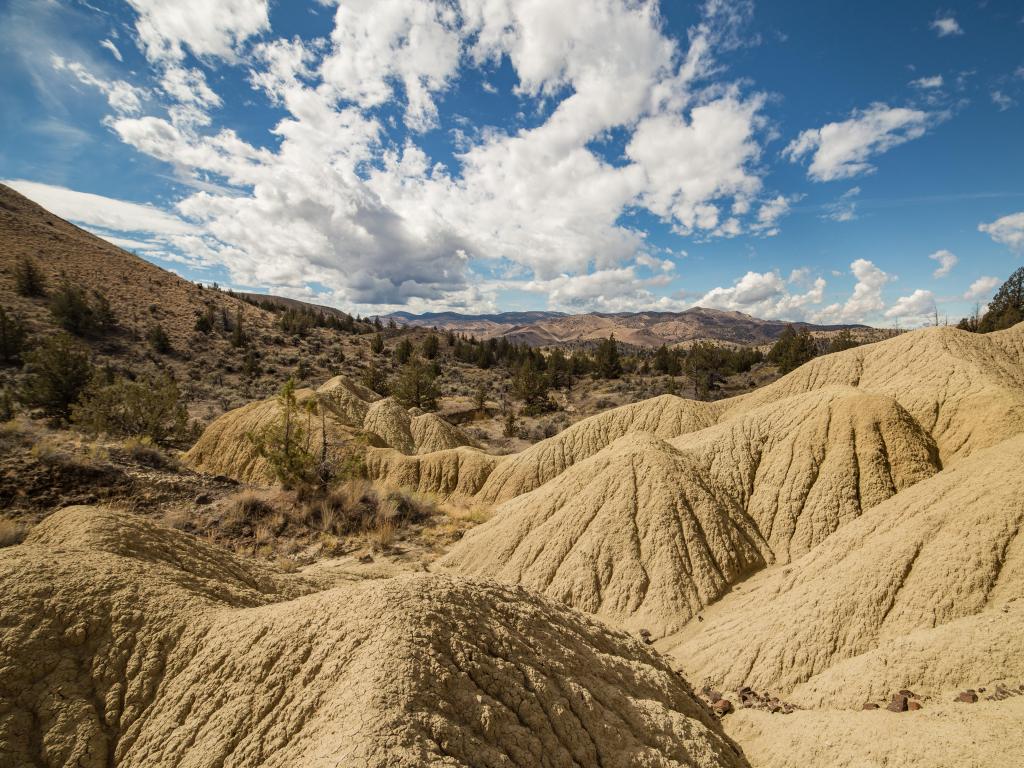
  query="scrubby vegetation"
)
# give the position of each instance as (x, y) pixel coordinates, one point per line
(149, 408)
(1004, 311)
(56, 373)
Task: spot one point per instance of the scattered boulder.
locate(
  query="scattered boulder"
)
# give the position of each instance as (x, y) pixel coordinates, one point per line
(722, 707)
(899, 703)
(967, 697)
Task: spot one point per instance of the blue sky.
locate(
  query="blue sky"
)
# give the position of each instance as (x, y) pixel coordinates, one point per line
(833, 162)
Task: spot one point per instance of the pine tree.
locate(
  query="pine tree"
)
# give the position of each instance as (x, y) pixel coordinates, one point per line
(842, 341)
(607, 363)
(793, 349)
(703, 364)
(28, 279)
(70, 308)
(559, 370)
(1007, 307)
(375, 379)
(414, 386)
(530, 385)
(56, 374)
(159, 340)
(431, 347)
(238, 337)
(403, 351)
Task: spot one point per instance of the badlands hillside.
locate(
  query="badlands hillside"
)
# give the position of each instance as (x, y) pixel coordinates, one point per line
(847, 533)
(826, 571)
(210, 362)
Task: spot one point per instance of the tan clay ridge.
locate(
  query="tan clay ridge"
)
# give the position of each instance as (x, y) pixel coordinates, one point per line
(127, 644)
(647, 532)
(924, 591)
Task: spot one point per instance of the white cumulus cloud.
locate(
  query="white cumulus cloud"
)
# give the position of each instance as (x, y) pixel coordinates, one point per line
(981, 288)
(1008, 230)
(208, 29)
(917, 305)
(945, 26)
(98, 211)
(844, 149)
(765, 294)
(946, 259)
(866, 299)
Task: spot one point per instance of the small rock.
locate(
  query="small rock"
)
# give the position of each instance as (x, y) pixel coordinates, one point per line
(711, 694)
(870, 705)
(908, 693)
(203, 499)
(367, 558)
(722, 707)
(898, 704)
(913, 705)
(645, 635)
(967, 697)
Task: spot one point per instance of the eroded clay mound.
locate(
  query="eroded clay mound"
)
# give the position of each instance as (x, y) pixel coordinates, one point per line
(431, 433)
(348, 400)
(918, 592)
(966, 389)
(802, 467)
(397, 428)
(131, 645)
(92, 604)
(226, 446)
(648, 532)
(665, 416)
(458, 473)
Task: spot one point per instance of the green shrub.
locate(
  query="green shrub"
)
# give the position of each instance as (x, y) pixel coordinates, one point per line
(6, 405)
(150, 408)
(12, 337)
(71, 309)
(159, 340)
(286, 443)
(414, 386)
(793, 349)
(56, 374)
(28, 279)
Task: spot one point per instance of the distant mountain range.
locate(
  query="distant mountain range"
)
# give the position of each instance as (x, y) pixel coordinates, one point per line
(641, 329)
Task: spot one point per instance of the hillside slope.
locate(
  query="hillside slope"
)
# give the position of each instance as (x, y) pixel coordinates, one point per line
(143, 296)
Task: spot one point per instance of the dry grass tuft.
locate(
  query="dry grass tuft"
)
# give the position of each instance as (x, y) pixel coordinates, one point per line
(144, 451)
